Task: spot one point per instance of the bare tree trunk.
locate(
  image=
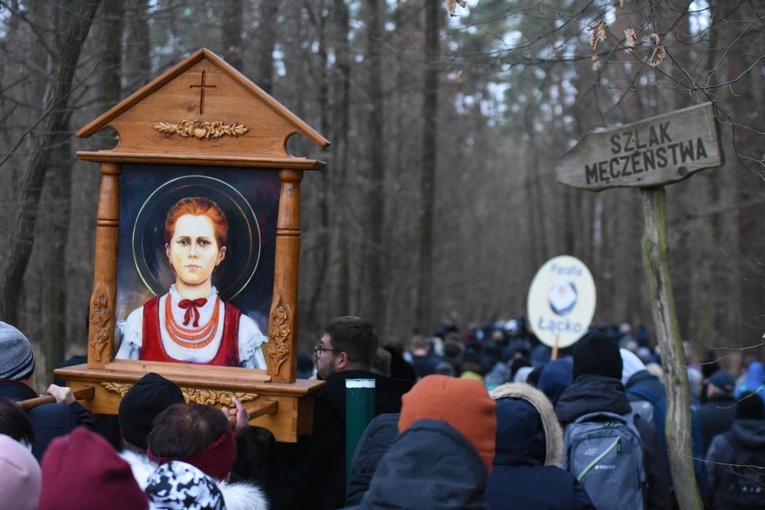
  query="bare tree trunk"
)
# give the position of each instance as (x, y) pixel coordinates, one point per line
(339, 285)
(428, 176)
(678, 420)
(232, 26)
(313, 311)
(377, 286)
(266, 40)
(75, 23)
(137, 65)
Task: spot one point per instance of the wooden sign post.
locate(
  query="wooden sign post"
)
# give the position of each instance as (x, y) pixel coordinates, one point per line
(648, 154)
(202, 133)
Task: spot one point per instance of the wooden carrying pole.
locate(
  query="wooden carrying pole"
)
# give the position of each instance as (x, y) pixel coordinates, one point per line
(257, 409)
(678, 421)
(80, 394)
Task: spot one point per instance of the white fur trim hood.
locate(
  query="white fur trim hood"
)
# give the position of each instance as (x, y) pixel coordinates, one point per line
(238, 496)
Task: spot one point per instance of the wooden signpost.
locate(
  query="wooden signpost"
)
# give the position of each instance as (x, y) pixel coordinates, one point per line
(202, 129)
(656, 151)
(649, 154)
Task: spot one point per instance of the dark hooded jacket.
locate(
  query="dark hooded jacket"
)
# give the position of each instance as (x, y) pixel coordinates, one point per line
(592, 393)
(529, 451)
(377, 438)
(48, 420)
(746, 434)
(430, 466)
(315, 474)
(555, 377)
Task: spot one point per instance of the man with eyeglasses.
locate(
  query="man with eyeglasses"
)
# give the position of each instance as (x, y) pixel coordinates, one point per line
(315, 477)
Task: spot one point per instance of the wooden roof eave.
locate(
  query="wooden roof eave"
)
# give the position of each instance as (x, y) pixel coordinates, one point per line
(106, 156)
(104, 120)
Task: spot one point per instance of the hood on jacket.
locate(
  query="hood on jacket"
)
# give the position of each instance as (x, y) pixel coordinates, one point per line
(591, 393)
(755, 378)
(750, 433)
(432, 466)
(527, 427)
(555, 377)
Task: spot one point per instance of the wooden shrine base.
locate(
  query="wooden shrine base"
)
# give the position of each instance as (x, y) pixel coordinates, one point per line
(286, 409)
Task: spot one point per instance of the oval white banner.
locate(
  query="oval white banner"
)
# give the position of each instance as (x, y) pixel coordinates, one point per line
(561, 301)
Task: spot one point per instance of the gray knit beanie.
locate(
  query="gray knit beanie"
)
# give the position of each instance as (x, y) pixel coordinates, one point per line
(17, 361)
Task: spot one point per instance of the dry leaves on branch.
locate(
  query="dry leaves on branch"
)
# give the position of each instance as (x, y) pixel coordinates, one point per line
(630, 38)
(659, 53)
(599, 33)
(451, 6)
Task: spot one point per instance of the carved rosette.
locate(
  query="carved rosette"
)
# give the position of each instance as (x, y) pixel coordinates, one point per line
(196, 395)
(101, 319)
(279, 343)
(201, 129)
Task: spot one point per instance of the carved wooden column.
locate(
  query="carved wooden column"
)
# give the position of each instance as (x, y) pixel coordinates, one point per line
(283, 321)
(102, 301)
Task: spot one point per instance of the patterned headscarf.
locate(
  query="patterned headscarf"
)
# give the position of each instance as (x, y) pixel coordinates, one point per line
(181, 486)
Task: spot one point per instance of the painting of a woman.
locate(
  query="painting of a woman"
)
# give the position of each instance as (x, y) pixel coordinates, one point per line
(191, 323)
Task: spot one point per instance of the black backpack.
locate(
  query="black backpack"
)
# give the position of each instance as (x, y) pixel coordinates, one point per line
(742, 484)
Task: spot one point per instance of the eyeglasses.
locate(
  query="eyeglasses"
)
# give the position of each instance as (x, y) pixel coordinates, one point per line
(318, 350)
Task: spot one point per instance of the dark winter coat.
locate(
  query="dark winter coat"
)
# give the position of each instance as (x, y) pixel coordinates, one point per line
(526, 471)
(48, 420)
(750, 435)
(315, 471)
(716, 416)
(381, 432)
(430, 466)
(592, 393)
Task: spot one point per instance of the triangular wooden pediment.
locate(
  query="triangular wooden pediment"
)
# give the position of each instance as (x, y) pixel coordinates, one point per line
(203, 111)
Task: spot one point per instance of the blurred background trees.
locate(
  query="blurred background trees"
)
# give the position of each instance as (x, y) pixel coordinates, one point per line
(439, 201)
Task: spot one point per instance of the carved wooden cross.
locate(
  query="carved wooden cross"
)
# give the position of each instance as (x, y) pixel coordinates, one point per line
(202, 86)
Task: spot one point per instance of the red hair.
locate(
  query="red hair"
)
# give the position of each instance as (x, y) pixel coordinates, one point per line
(198, 206)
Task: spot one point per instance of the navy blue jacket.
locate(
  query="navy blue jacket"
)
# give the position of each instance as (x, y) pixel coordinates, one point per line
(381, 432)
(430, 466)
(519, 477)
(48, 420)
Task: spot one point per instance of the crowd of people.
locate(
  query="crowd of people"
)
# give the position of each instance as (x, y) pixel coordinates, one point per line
(483, 419)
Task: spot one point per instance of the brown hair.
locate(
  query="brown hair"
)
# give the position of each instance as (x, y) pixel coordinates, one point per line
(356, 337)
(198, 206)
(184, 430)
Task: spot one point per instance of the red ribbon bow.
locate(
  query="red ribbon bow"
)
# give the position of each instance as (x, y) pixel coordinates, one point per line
(192, 309)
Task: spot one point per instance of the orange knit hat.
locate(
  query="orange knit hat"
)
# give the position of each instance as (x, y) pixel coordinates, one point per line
(462, 403)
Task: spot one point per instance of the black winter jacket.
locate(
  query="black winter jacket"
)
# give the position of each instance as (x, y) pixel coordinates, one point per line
(430, 466)
(48, 420)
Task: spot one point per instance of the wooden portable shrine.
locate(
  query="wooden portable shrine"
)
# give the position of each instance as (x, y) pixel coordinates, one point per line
(199, 124)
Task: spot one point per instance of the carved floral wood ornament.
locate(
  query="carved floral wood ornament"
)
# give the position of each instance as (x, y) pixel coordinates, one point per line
(203, 113)
(203, 130)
